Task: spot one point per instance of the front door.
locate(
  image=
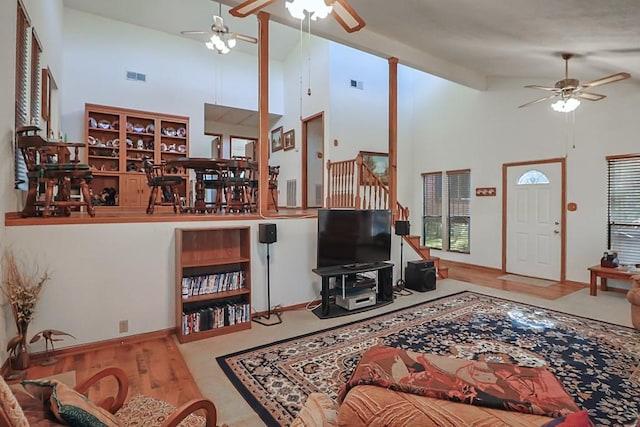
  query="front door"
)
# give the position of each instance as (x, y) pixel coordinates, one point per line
(534, 235)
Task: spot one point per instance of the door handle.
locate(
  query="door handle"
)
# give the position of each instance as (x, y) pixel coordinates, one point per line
(556, 231)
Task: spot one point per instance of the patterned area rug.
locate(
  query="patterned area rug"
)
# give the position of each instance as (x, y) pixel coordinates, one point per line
(594, 360)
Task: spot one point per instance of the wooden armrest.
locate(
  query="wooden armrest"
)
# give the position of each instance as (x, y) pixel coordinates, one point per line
(188, 408)
(111, 404)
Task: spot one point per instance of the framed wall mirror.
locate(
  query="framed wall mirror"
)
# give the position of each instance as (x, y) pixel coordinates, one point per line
(49, 102)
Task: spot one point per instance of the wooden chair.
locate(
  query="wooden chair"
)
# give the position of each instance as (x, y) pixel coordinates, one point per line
(168, 184)
(50, 164)
(34, 412)
(274, 171)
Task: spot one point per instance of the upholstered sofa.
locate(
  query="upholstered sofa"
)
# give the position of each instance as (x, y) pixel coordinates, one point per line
(381, 392)
(633, 296)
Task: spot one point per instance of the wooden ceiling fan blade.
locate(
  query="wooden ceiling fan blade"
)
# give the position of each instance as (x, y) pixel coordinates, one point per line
(590, 96)
(247, 39)
(248, 7)
(537, 100)
(608, 79)
(553, 89)
(195, 32)
(346, 15)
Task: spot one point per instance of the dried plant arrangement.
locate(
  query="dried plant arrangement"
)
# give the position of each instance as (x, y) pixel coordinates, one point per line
(22, 289)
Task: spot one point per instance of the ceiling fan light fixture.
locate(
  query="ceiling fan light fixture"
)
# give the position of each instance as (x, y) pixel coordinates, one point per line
(317, 9)
(221, 43)
(566, 105)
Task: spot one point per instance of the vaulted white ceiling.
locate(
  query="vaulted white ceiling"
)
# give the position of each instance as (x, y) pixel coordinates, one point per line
(465, 41)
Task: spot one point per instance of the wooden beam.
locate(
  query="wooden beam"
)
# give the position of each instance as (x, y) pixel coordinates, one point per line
(263, 111)
(393, 137)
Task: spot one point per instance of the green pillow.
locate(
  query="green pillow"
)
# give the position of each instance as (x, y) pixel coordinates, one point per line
(74, 409)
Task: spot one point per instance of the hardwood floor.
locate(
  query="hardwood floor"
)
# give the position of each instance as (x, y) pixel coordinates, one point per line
(491, 278)
(156, 367)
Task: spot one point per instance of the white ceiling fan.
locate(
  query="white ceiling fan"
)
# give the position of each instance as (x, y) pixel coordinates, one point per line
(571, 91)
(221, 39)
(342, 11)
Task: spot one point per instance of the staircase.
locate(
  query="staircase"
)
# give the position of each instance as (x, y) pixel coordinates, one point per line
(352, 184)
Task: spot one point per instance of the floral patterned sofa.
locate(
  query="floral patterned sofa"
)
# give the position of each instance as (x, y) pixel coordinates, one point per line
(394, 387)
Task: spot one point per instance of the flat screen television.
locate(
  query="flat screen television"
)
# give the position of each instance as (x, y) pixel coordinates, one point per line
(353, 238)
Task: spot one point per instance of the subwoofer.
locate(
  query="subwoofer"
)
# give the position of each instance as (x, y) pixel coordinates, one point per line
(267, 233)
(385, 284)
(420, 276)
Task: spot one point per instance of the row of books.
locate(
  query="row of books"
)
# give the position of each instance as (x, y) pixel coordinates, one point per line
(217, 316)
(212, 283)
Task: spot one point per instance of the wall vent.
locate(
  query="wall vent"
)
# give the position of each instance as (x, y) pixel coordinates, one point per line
(318, 195)
(356, 84)
(132, 75)
(292, 190)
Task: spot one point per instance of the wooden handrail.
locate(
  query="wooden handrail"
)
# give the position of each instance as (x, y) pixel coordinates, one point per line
(353, 184)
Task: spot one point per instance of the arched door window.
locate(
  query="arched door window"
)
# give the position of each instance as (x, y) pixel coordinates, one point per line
(533, 177)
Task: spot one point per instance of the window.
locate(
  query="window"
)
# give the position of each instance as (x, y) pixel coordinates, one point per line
(22, 91)
(459, 215)
(623, 229)
(452, 202)
(533, 177)
(432, 210)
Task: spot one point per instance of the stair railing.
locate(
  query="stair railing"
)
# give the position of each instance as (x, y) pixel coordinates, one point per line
(353, 184)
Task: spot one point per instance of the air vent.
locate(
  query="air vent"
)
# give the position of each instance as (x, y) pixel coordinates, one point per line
(132, 75)
(292, 186)
(356, 84)
(319, 194)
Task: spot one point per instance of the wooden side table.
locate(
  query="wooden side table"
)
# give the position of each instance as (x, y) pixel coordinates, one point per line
(604, 273)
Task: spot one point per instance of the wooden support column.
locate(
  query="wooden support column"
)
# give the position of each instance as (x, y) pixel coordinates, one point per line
(263, 110)
(393, 137)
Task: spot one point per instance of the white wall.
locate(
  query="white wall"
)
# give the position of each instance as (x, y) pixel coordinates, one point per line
(45, 16)
(359, 119)
(298, 104)
(101, 274)
(182, 75)
(456, 128)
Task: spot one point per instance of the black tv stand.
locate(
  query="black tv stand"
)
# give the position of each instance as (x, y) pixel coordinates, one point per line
(384, 284)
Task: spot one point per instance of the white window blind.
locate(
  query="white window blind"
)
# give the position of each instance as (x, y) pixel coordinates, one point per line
(22, 92)
(432, 209)
(624, 208)
(459, 213)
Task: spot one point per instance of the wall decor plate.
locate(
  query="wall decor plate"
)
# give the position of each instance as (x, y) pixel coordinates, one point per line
(182, 148)
(129, 127)
(93, 123)
(91, 140)
(150, 128)
(182, 132)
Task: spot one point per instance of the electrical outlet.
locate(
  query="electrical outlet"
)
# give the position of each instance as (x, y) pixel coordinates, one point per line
(124, 326)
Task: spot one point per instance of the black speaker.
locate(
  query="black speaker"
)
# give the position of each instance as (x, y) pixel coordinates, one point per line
(267, 233)
(420, 276)
(402, 228)
(385, 284)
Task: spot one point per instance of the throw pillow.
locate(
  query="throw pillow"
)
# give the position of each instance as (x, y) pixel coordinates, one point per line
(10, 406)
(319, 411)
(577, 419)
(74, 409)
